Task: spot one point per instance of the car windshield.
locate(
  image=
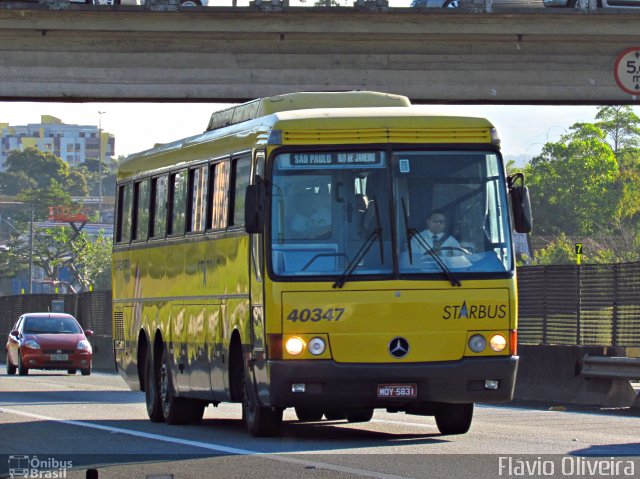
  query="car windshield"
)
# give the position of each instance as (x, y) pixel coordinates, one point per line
(51, 325)
(348, 213)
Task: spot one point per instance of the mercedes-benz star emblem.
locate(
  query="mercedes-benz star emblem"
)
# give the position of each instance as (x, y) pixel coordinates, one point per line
(399, 347)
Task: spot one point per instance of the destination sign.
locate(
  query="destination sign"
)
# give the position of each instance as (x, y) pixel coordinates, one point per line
(356, 159)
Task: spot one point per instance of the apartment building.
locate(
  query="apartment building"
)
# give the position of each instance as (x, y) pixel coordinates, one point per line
(73, 143)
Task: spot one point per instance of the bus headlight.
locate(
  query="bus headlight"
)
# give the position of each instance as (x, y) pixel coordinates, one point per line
(497, 342)
(294, 346)
(316, 346)
(477, 343)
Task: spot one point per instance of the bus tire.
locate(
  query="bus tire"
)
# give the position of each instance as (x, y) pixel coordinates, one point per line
(309, 414)
(260, 421)
(175, 410)
(454, 418)
(151, 391)
(360, 415)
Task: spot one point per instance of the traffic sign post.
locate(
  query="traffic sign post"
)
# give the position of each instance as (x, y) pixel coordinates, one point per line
(578, 253)
(627, 71)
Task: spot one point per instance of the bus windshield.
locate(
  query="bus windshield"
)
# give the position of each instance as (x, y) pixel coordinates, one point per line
(368, 213)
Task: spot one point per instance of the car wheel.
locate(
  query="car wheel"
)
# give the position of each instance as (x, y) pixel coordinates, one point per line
(260, 421)
(190, 3)
(454, 418)
(85, 371)
(360, 415)
(22, 370)
(334, 415)
(309, 414)
(11, 369)
(71, 371)
(151, 391)
(175, 410)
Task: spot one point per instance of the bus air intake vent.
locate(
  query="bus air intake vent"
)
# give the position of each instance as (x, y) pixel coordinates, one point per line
(118, 326)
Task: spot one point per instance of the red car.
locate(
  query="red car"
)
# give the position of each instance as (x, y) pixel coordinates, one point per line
(48, 341)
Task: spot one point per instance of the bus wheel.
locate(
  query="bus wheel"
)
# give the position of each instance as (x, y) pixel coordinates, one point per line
(175, 410)
(334, 415)
(360, 415)
(260, 421)
(151, 392)
(454, 418)
(309, 414)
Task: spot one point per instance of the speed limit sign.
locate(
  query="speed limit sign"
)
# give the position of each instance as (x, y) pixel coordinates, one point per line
(627, 71)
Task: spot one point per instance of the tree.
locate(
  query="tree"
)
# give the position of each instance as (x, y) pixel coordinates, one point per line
(621, 125)
(92, 263)
(573, 183)
(42, 179)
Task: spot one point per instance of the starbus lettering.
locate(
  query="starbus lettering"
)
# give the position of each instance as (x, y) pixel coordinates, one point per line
(475, 311)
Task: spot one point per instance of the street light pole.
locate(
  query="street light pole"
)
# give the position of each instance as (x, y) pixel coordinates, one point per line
(31, 249)
(100, 113)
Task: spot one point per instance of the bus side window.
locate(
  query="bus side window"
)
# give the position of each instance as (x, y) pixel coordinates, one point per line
(241, 170)
(159, 205)
(220, 196)
(178, 195)
(141, 210)
(198, 184)
(125, 199)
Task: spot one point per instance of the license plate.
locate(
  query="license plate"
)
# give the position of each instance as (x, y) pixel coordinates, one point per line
(59, 357)
(397, 390)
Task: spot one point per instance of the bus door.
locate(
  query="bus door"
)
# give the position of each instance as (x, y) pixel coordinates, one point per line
(256, 267)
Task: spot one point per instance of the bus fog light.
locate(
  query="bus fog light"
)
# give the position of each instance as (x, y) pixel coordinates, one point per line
(491, 384)
(298, 388)
(316, 346)
(477, 343)
(498, 342)
(294, 346)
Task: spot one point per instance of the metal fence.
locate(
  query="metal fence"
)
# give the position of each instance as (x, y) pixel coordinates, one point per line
(595, 305)
(93, 310)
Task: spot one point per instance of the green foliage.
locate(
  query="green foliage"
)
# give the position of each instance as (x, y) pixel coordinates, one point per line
(572, 183)
(621, 125)
(92, 263)
(40, 178)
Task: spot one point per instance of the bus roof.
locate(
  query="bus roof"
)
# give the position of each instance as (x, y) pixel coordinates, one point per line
(376, 113)
(303, 101)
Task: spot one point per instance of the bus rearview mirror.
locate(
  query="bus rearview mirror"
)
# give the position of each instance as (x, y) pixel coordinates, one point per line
(254, 209)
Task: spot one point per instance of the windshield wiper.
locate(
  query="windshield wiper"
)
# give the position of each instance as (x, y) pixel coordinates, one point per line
(413, 233)
(364, 249)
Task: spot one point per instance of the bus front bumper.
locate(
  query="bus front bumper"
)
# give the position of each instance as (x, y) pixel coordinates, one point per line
(327, 383)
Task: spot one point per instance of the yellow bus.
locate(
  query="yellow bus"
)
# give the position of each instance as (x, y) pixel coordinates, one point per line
(284, 258)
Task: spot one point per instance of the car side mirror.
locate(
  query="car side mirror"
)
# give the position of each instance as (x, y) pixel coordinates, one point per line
(88, 333)
(15, 333)
(254, 208)
(520, 205)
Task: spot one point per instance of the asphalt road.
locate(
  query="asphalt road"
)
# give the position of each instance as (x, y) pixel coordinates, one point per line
(56, 425)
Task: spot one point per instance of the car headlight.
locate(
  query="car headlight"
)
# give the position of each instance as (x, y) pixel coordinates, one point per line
(83, 345)
(294, 346)
(317, 346)
(32, 343)
(477, 343)
(497, 342)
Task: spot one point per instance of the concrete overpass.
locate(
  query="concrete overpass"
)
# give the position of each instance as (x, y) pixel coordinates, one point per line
(62, 52)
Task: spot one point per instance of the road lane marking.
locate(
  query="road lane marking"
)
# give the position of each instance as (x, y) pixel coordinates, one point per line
(208, 446)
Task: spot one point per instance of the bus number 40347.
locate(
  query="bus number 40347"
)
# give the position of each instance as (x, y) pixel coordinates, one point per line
(315, 314)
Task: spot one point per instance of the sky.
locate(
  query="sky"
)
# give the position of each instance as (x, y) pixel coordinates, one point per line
(523, 130)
